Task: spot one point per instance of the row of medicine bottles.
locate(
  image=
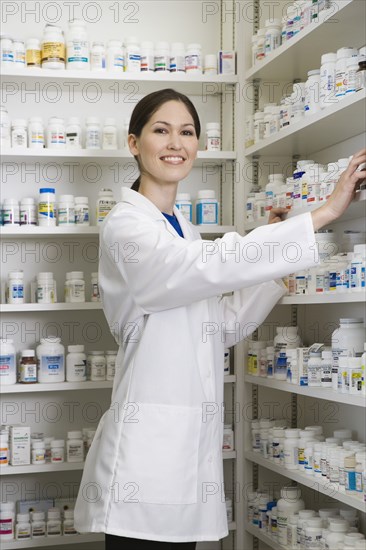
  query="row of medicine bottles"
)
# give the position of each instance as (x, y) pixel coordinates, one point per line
(341, 74)
(43, 289)
(340, 367)
(42, 520)
(75, 52)
(49, 211)
(49, 363)
(20, 133)
(296, 17)
(38, 449)
(310, 184)
(287, 522)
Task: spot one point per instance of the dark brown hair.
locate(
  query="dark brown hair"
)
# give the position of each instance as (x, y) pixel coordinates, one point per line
(149, 104)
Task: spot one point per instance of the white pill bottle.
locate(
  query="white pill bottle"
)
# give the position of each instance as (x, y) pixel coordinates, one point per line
(51, 360)
(77, 46)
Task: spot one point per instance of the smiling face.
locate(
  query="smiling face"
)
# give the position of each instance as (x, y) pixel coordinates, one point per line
(168, 144)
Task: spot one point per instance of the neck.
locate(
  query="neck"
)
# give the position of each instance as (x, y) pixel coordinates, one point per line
(162, 195)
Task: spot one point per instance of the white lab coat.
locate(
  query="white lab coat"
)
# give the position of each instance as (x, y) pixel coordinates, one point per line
(154, 470)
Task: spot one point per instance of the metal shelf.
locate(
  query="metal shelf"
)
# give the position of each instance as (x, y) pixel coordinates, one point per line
(259, 534)
(318, 484)
(41, 468)
(52, 541)
(25, 308)
(317, 393)
(336, 298)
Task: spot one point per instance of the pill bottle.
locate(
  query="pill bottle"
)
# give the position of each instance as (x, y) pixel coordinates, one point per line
(68, 525)
(47, 444)
(361, 75)
(5, 128)
(261, 45)
(210, 64)
(348, 339)
(56, 133)
(45, 292)
(93, 133)
(326, 369)
(351, 75)
(312, 93)
(98, 56)
(53, 514)
(343, 54)
(77, 287)
(10, 211)
(286, 338)
(33, 53)
(177, 58)
(66, 210)
(226, 361)
(259, 126)
(105, 203)
(304, 516)
(110, 357)
(7, 520)
(7, 362)
(36, 137)
(51, 360)
(38, 452)
(16, 287)
(57, 450)
(115, 56)
(77, 46)
(147, 56)
(132, 55)
(313, 533)
(328, 80)
(354, 376)
(53, 48)
(73, 133)
(314, 368)
(292, 531)
(4, 454)
(95, 296)
(46, 207)
(278, 442)
(19, 133)
(256, 436)
(97, 365)
(7, 50)
(28, 367)
(228, 441)
(358, 265)
(274, 530)
(304, 437)
(272, 35)
(207, 208)
(19, 53)
(184, 204)
(74, 447)
(193, 58)
(22, 527)
(81, 211)
(76, 364)
(289, 503)
(162, 57)
(229, 509)
(213, 136)
(38, 525)
(109, 139)
(290, 449)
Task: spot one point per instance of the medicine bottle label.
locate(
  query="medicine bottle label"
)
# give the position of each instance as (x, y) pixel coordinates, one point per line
(33, 58)
(186, 211)
(46, 210)
(52, 365)
(207, 213)
(78, 52)
(36, 139)
(28, 373)
(81, 215)
(17, 291)
(7, 365)
(97, 60)
(53, 51)
(161, 63)
(7, 56)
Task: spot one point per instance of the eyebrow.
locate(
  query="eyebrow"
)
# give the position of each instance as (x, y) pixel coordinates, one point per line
(168, 124)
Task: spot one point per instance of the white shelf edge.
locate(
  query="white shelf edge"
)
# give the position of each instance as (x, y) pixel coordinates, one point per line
(255, 71)
(306, 122)
(336, 298)
(24, 308)
(41, 468)
(258, 533)
(317, 393)
(315, 483)
(61, 386)
(53, 232)
(95, 76)
(228, 455)
(232, 526)
(229, 378)
(53, 541)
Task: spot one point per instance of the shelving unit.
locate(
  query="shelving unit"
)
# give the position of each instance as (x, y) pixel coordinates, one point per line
(335, 132)
(61, 306)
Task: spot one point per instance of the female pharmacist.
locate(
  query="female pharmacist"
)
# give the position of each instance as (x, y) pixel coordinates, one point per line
(153, 477)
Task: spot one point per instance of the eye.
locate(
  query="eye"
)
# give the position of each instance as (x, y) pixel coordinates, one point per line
(188, 133)
(160, 130)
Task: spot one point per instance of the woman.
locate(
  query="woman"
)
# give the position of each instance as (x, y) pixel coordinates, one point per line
(153, 476)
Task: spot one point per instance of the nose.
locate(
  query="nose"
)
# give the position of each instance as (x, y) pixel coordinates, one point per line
(175, 141)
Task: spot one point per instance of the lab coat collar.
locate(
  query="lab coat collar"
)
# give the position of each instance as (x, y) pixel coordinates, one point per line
(135, 198)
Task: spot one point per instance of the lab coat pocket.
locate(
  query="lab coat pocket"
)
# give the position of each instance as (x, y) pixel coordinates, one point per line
(160, 453)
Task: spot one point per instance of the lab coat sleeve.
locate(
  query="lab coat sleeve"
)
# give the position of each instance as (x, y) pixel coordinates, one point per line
(246, 309)
(163, 272)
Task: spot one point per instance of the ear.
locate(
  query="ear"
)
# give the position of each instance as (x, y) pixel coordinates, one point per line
(132, 144)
